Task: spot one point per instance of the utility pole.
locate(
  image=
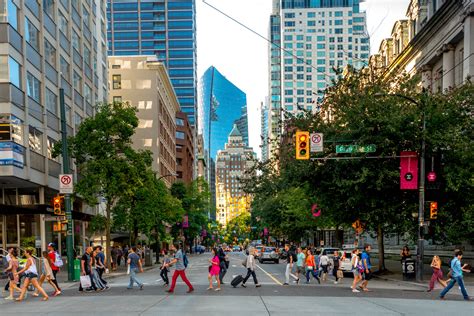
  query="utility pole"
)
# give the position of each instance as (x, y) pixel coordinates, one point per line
(67, 196)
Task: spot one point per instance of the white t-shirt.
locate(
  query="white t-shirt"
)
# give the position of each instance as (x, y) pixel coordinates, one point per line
(324, 260)
(354, 260)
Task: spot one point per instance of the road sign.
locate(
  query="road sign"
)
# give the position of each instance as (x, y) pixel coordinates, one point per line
(350, 149)
(66, 185)
(316, 142)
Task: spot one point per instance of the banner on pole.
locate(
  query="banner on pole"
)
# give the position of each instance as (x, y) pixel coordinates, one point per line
(408, 170)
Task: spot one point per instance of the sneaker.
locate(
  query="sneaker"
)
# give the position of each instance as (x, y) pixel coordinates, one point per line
(9, 298)
(129, 288)
(285, 283)
(218, 289)
(189, 291)
(243, 285)
(57, 293)
(335, 282)
(258, 285)
(355, 291)
(141, 287)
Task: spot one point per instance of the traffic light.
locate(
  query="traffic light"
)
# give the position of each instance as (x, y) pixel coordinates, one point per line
(57, 205)
(433, 210)
(302, 145)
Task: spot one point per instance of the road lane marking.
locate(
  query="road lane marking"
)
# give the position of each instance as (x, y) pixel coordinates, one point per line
(270, 276)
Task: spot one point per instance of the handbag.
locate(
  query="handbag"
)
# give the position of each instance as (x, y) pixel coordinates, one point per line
(85, 281)
(244, 262)
(340, 274)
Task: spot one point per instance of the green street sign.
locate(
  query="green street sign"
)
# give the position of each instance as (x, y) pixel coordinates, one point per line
(351, 149)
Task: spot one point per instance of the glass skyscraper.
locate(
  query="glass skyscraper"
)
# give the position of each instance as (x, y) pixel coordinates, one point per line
(165, 28)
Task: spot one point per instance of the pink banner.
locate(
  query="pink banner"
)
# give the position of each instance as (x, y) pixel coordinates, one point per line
(408, 170)
(265, 231)
(185, 221)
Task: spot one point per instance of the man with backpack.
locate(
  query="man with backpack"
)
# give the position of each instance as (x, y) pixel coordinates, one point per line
(181, 263)
(57, 263)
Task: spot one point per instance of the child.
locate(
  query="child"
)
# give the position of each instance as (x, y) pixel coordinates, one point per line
(164, 269)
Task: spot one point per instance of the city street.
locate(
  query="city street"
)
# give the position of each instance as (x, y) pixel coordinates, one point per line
(388, 298)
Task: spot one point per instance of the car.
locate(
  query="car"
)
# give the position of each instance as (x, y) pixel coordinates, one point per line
(268, 254)
(236, 248)
(345, 264)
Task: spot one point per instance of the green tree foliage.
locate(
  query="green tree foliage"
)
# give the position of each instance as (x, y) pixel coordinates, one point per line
(238, 227)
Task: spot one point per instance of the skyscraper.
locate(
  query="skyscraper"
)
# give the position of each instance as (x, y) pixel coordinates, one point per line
(44, 46)
(165, 28)
(264, 124)
(315, 38)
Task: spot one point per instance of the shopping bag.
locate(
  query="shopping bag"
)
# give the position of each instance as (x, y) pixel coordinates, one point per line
(340, 274)
(85, 281)
(128, 269)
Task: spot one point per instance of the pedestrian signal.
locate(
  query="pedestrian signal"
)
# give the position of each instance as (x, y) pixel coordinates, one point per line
(433, 210)
(57, 205)
(302, 145)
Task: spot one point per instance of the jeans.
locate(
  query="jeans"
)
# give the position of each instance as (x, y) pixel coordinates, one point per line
(250, 272)
(460, 282)
(55, 281)
(287, 273)
(223, 271)
(175, 277)
(101, 271)
(164, 275)
(133, 278)
(312, 272)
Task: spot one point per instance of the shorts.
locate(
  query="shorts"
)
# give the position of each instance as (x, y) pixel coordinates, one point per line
(11, 276)
(300, 269)
(356, 272)
(30, 275)
(325, 268)
(367, 276)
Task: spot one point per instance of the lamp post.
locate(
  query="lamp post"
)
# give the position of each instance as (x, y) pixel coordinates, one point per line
(421, 184)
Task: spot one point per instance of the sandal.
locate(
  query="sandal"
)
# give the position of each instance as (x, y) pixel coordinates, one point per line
(35, 294)
(209, 288)
(45, 298)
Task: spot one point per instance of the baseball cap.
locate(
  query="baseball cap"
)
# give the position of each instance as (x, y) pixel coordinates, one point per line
(51, 245)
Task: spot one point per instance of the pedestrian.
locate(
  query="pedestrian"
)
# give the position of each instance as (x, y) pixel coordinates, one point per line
(357, 270)
(47, 274)
(457, 275)
(86, 270)
(164, 269)
(56, 263)
(311, 267)
(11, 270)
(290, 259)
(125, 252)
(6, 263)
(31, 276)
(300, 259)
(100, 264)
(180, 262)
(223, 264)
(214, 269)
(135, 265)
(336, 264)
(405, 253)
(113, 254)
(324, 264)
(251, 265)
(437, 274)
(98, 281)
(367, 275)
(119, 256)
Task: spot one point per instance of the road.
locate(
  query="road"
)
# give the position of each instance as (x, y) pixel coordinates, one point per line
(387, 298)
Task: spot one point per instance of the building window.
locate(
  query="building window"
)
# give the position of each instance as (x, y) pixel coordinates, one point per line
(31, 34)
(145, 123)
(12, 14)
(14, 72)
(48, 7)
(87, 94)
(77, 82)
(35, 140)
(51, 101)
(87, 56)
(49, 53)
(147, 142)
(117, 99)
(77, 120)
(63, 24)
(180, 135)
(117, 82)
(33, 87)
(51, 144)
(179, 122)
(65, 70)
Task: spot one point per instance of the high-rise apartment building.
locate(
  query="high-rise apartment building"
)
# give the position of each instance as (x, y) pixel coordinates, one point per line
(185, 152)
(45, 45)
(165, 28)
(264, 124)
(232, 164)
(311, 39)
(143, 82)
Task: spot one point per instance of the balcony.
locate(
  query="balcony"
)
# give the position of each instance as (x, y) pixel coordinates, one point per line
(11, 93)
(37, 161)
(9, 35)
(54, 168)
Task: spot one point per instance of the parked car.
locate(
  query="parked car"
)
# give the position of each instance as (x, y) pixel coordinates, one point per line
(268, 254)
(236, 248)
(345, 264)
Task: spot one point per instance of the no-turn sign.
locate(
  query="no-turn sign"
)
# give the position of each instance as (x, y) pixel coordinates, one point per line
(66, 185)
(316, 142)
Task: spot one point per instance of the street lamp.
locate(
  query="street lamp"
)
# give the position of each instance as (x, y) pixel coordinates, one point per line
(421, 184)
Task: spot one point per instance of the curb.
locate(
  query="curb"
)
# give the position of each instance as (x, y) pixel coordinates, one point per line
(396, 280)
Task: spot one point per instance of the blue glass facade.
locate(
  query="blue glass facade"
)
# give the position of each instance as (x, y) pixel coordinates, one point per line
(165, 28)
(229, 106)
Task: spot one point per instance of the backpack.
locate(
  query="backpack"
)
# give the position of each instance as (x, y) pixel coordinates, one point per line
(185, 260)
(58, 261)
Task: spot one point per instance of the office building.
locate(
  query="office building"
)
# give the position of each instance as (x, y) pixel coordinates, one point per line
(143, 82)
(232, 164)
(165, 28)
(264, 125)
(316, 38)
(45, 45)
(185, 152)
(436, 40)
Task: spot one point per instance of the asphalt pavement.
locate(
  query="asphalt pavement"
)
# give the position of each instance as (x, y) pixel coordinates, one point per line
(387, 297)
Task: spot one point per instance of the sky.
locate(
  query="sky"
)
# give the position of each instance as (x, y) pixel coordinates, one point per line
(242, 57)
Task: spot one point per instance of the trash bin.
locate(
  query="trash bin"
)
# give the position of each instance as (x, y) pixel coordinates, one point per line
(77, 270)
(148, 258)
(408, 269)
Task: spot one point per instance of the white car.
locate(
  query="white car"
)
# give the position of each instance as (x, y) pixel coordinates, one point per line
(345, 264)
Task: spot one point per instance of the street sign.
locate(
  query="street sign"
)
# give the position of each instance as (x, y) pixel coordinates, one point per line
(316, 142)
(350, 149)
(66, 185)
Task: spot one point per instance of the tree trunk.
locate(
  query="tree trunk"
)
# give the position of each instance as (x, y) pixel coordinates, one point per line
(381, 264)
(107, 236)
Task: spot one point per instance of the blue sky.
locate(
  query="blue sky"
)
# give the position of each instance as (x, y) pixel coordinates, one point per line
(241, 56)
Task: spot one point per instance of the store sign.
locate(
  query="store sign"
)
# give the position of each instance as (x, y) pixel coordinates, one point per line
(12, 154)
